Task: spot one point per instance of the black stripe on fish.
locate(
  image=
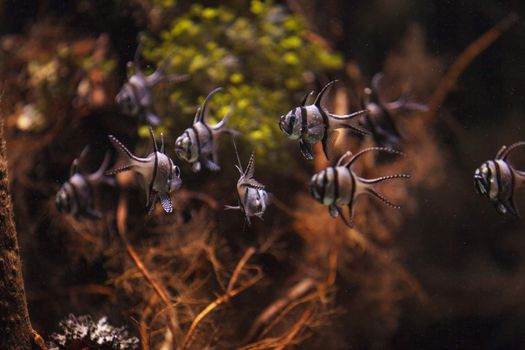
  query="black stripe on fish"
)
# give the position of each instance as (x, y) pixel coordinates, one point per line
(325, 184)
(336, 185)
(197, 140)
(291, 123)
(352, 192)
(325, 134)
(210, 133)
(75, 197)
(304, 121)
(155, 168)
(489, 177)
(498, 178)
(190, 143)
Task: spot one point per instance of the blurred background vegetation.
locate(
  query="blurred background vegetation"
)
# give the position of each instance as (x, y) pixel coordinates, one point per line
(445, 272)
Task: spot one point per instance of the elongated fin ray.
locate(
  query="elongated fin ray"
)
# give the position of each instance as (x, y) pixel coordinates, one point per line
(118, 170)
(375, 193)
(348, 116)
(504, 151)
(384, 178)
(370, 149)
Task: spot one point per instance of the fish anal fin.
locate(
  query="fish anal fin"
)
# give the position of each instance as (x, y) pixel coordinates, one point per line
(333, 210)
(165, 201)
(306, 149)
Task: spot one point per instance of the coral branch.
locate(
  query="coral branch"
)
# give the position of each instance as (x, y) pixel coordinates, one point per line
(159, 289)
(225, 297)
(462, 62)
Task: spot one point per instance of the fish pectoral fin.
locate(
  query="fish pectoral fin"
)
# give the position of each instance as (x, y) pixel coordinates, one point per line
(232, 207)
(152, 118)
(306, 149)
(93, 213)
(150, 205)
(334, 212)
(165, 201)
(196, 167)
(212, 166)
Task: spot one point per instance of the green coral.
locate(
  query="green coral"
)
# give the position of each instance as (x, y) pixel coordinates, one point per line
(258, 53)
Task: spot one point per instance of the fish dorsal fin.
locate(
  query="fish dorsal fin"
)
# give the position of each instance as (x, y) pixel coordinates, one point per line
(102, 168)
(74, 167)
(205, 104)
(345, 155)
(319, 97)
(375, 84)
(136, 58)
(504, 151)
(305, 98)
(371, 149)
(250, 168)
(197, 117)
(152, 135)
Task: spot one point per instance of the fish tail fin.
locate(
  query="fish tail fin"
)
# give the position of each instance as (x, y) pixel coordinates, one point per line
(369, 187)
(124, 156)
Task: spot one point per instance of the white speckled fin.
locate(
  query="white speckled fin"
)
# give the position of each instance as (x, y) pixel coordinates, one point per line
(165, 201)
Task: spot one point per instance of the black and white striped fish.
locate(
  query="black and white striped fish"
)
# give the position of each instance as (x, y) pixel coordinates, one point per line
(159, 176)
(379, 119)
(252, 195)
(198, 145)
(498, 181)
(312, 123)
(76, 196)
(339, 185)
(135, 98)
